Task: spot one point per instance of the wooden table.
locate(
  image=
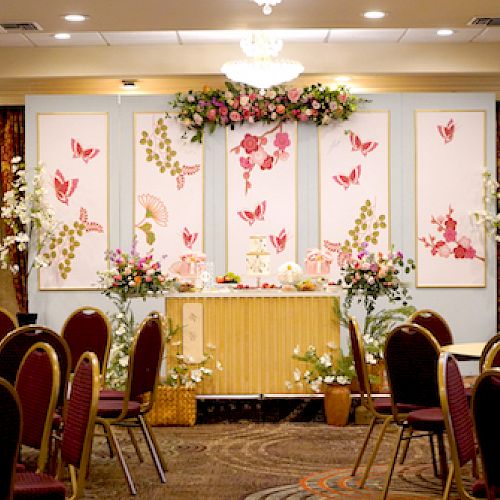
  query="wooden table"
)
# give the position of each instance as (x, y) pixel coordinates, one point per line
(467, 350)
(255, 333)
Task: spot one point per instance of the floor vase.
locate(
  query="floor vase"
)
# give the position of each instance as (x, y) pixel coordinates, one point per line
(337, 403)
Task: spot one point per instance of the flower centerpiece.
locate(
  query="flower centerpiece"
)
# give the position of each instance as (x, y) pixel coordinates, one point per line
(489, 217)
(289, 273)
(238, 104)
(130, 276)
(30, 225)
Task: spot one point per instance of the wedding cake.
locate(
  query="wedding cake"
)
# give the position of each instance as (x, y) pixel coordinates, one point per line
(258, 259)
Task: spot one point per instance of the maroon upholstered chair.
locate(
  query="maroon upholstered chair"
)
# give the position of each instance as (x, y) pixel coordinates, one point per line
(88, 329)
(76, 440)
(493, 358)
(37, 385)
(14, 347)
(8, 322)
(411, 356)
(485, 410)
(145, 357)
(434, 323)
(10, 431)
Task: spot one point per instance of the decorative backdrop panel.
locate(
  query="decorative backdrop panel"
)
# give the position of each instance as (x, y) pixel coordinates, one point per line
(168, 188)
(354, 178)
(261, 192)
(73, 147)
(450, 158)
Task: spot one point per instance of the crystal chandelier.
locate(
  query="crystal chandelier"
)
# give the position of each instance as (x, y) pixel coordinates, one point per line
(262, 68)
(267, 5)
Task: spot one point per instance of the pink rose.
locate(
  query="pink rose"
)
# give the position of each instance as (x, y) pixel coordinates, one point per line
(223, 110)
(250, 143)
(234, 116)
(280, 109)
(342, 97)
(212, 114)
(149, 279)
(294, 95)
(282, 141)
(303, 117)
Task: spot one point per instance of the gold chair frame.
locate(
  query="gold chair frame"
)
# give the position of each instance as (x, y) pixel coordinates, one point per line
(490, 350)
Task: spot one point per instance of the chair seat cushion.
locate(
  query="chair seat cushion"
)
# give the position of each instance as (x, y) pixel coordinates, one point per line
(111, 408)
(111, 394)
(30, 485)
(20, 468)
(384, 406)
(428, 419)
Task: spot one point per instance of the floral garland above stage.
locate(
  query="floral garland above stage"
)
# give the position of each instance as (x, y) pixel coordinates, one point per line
(244, 104)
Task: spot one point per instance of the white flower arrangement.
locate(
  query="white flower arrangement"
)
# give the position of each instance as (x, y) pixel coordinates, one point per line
(489, 216)
(290, 273)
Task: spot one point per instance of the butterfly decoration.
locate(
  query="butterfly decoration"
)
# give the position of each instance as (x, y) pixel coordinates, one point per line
(64, 188)
(347, 180)
(85, 154)
(358, 145)
(189, 238)
(343, 257)
(186, 170)
(447, 131)
(89, 226)
(279, 241)
(257, 214)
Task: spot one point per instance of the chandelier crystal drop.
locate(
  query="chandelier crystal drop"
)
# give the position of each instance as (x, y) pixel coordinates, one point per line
(262, 68)
(267, 5)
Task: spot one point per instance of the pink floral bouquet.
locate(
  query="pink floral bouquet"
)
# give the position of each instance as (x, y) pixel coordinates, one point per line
(318, 262)
(371, 275)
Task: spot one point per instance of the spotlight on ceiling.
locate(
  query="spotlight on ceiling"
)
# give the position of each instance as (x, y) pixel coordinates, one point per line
(374, 14)
(445, 32)
(62, 36)
(75, 18)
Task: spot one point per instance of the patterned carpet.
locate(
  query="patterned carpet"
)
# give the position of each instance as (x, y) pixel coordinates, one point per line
(257, 461)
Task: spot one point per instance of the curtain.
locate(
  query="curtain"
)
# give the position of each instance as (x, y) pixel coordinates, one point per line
(12, 144)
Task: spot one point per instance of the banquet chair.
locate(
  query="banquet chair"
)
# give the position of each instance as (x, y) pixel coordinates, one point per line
(8, 322)
(411, 356)
(490, 357)
(10, 431)
(145, 358)
(76, 441)
(88, 329)
(485, 411)
(37, 385)
(434, 323)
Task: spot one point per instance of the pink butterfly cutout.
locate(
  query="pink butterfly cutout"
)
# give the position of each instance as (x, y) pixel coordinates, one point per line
(189, 238)
(89, 226)
(279, 241)
(363, 147)
(64, 188)
(79, 152)
(257, 214)
(346, 180)
(186, 170)
(447, 131)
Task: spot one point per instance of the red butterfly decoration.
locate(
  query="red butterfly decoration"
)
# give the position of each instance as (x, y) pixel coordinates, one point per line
(363, 147)
(346, 180)
(189, 239)
(447, 131)
(186, 170)
(89, 226)
(279, 241)
(79, 152)
(64, 188)
(257, 214)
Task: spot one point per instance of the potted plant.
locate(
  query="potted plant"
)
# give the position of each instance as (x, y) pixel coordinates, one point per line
(175, 402)
(330, 373)
(30, 225)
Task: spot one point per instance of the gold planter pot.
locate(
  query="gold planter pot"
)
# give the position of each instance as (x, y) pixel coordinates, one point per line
(173, 406)
(337, 403)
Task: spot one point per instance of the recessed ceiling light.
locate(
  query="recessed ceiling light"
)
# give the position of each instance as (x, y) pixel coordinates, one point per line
(62, 36)
(75, 18)
(374, 14)
(445, 32)
(129, 84)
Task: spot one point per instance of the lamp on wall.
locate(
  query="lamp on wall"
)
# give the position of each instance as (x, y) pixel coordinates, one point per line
(267, 5)
(262, 68)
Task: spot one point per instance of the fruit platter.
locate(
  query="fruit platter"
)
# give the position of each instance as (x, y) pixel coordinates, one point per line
(227, 278)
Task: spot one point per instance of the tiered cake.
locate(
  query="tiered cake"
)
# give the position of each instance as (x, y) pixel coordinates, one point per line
(258, 259)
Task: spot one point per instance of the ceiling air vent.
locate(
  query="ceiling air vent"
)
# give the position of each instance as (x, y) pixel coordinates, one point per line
(9, 27)
(484, 21)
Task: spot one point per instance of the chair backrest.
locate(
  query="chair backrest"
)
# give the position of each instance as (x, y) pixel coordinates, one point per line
(37, 385)
(411, 357)
(80, 418)
(487, 354)
(485, 411)
(435, 323)
(88, 329)
(14, 347)
(457, 416)
(358, 354)
(10, 432)
(8, 322)
(145, 358)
